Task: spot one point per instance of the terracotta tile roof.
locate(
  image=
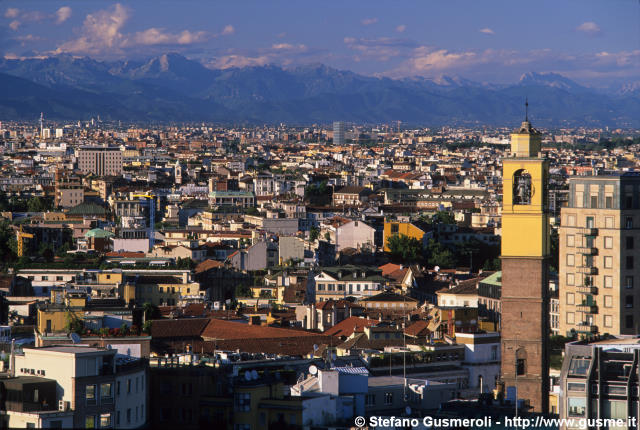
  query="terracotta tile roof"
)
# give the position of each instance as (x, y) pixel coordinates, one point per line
(178, 328)
(228, 330)
(389, 268)
(350, 325)
(208, 265)
(418, 329)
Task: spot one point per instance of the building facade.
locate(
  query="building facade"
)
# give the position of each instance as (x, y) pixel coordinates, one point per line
(598, 232)
(100, 160)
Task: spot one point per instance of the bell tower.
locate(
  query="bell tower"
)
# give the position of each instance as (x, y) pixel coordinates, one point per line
(525, 261)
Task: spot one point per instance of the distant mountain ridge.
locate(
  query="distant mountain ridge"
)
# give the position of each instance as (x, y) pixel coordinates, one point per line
(172, 88)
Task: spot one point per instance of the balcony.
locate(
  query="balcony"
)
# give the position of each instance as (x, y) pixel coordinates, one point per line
(587, 308)
(589, 231)
(587, 327)
(588, 250)
(588, 270)
(587, 289)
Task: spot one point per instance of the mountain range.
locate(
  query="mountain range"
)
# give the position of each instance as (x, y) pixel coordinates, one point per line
(172, 88)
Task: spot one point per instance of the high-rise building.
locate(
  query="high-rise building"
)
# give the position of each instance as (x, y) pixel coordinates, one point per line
(338, 133)
(100, 160)
(525, 256)
(598, 232)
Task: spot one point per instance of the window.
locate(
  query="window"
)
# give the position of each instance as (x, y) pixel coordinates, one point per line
(608, 282)
(579, 366)
(571, 279)
(105, 420)
(118, 418)
(494, 352)
(90, 422)
(615, 409)
(608, 242)
(608, 202)
(394, 228)
(571, 260)
(629, 242)
(571, 240)
(590, 223)
(628, 222)
(388, 398)
(129, 416)
(574, 386)
(570, 318)
(608, 321)
(608, 262)
(608, 301)
(628, 321)
(90, 394)
(629, 265)
(594, 202)
(521, 366)
(128, 386)
(106, 395)
(628, 282)
(242, 402)
(577, 406)
(370, 400)
(570, 299)
(628, 302)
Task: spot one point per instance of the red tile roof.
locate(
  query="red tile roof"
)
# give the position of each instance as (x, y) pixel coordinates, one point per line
(349, 325)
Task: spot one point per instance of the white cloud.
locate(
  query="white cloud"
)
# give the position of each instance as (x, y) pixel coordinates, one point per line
(486, 30)
(401, 28)
(590, 28)
(380, 49)
(12, 12)
(158, 36)
(101, 35)
(288, 47)
(369, 21)
(228, 29)
(63, 14)
(14, 25)
(100, 32)
(234, 60)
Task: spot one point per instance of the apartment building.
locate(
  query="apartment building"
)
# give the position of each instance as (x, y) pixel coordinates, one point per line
(599, 381)
(598, 232)
(101, 388)
(100, 160)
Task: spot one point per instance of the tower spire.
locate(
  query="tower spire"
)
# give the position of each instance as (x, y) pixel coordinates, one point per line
(526, 108)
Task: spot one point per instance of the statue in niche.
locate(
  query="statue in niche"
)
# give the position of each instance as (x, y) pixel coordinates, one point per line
(522, 188)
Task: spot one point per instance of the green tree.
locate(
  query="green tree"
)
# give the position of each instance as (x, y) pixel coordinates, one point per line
(327, 237)
(73, 323)
(313, 233)
(403, 248)
(243, 291)
(440, 255)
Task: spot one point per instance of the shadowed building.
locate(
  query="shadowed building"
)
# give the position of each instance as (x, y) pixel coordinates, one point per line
(525, 256)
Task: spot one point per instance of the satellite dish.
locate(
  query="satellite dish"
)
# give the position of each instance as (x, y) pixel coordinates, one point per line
(254, 374)
(333, 356)
(436, 269)
(109, 346)
(313, 369)
(315, 347)
(407, 410)
(75, 338)
(247, 375)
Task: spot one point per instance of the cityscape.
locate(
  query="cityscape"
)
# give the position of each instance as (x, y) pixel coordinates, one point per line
(355, 216)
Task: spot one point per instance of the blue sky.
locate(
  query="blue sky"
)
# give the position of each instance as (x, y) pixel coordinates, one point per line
(593, 42)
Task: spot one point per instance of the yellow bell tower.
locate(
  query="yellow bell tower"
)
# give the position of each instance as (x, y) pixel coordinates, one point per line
(525, 257)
